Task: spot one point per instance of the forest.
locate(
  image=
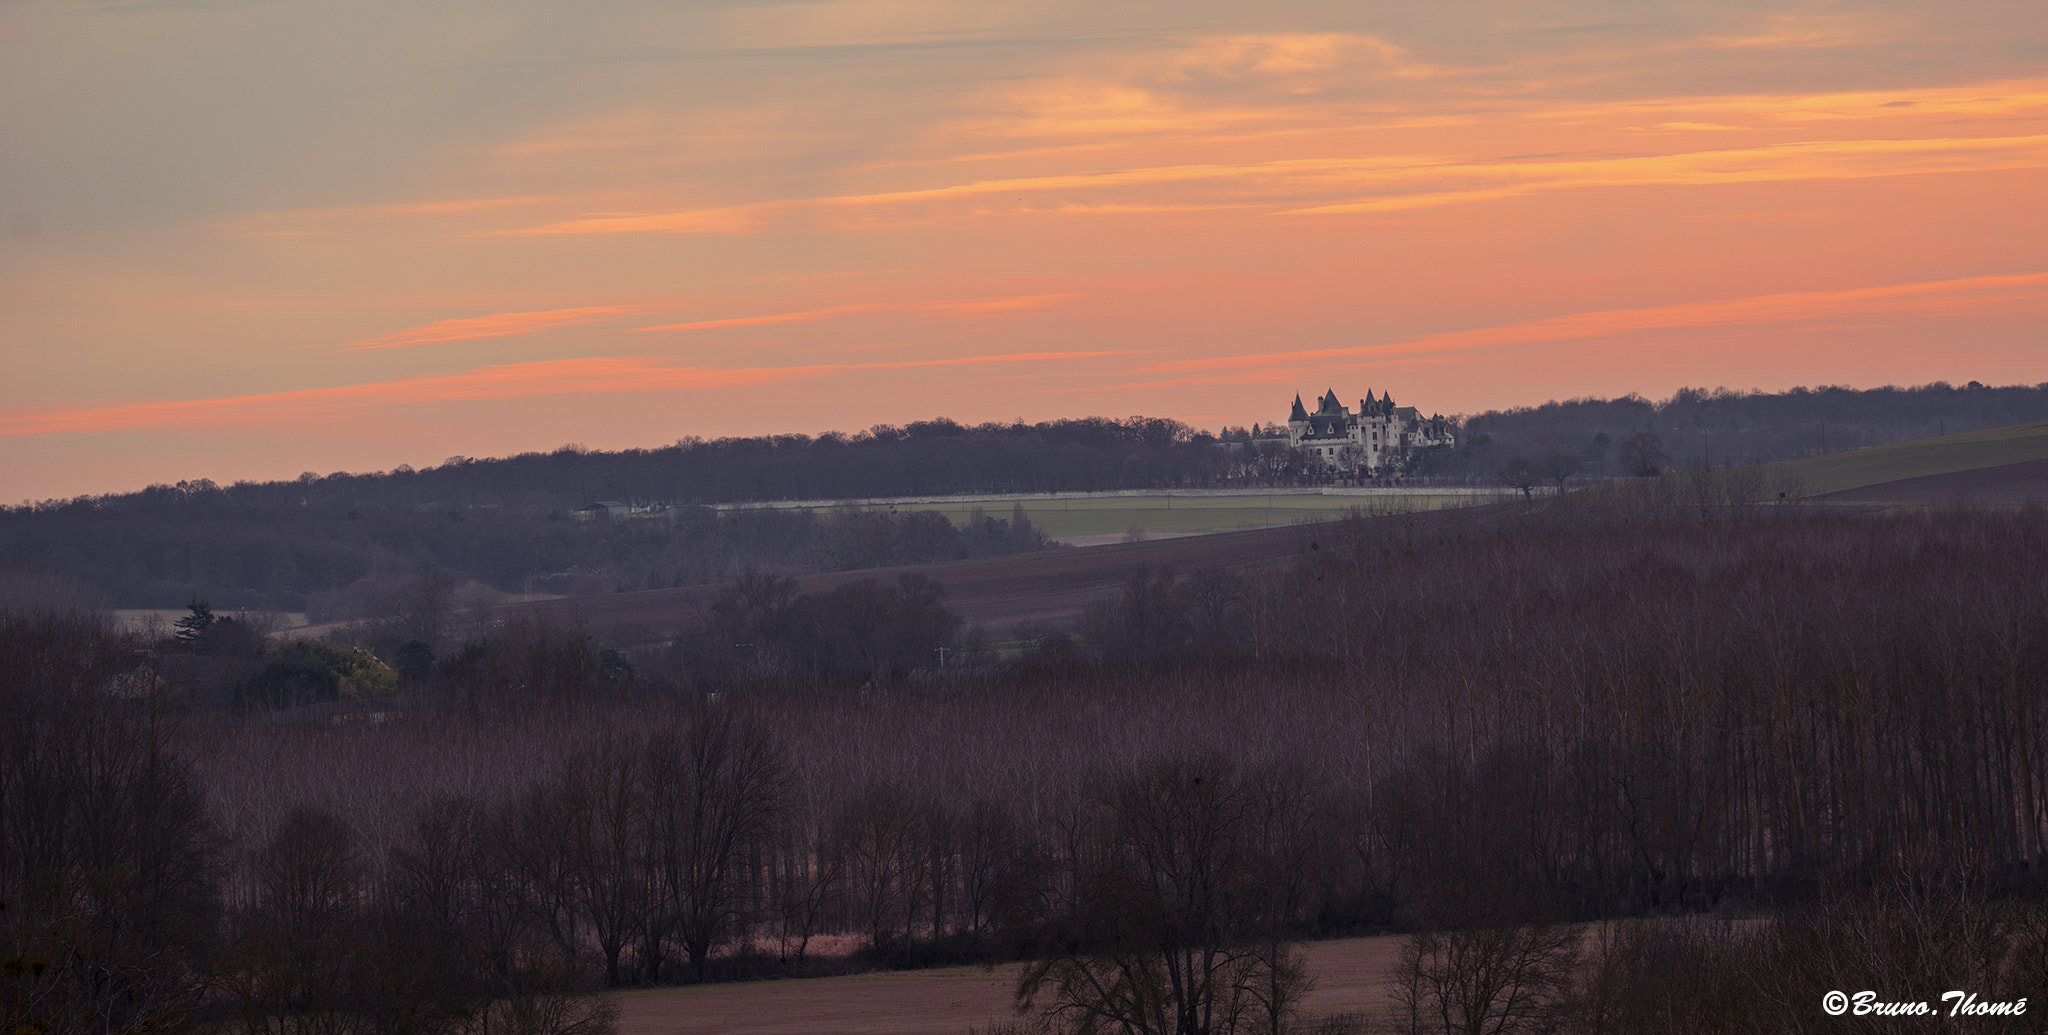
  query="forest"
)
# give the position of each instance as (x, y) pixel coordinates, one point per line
(345, 546)
(1609, 765)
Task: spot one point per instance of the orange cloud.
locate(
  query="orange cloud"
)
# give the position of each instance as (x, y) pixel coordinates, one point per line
(965, 308)
(500, 325)
(1397, 182)
(1805, 30)
(1286, 372)
(1815, 160)
(1979, 293)
(506, 381)
(1975, 100)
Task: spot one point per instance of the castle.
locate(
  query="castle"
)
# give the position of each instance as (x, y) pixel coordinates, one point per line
(1378, 433)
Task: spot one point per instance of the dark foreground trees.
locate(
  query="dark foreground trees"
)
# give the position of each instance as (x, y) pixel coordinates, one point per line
(123, 908)
(1656, 713)
(108, 863)
(1169, 929)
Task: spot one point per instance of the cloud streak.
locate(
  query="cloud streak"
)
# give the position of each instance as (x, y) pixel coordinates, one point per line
(1987, 294)
(599, 374)
(1393, 183)
(966, 308)
(498, 325)
(1815, 160)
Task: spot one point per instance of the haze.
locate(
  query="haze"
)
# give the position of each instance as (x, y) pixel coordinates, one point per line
(247, 239)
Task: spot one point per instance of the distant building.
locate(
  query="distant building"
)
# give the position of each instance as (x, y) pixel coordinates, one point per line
(1378, 433)
(604, 509)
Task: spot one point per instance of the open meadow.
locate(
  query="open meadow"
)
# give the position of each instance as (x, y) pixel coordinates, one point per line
(1090, 518)
(1350, 976)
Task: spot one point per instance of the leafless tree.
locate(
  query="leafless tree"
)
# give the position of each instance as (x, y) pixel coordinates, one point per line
(1163, 938)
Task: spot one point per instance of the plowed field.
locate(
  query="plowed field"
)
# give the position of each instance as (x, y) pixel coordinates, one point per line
(2006, 483)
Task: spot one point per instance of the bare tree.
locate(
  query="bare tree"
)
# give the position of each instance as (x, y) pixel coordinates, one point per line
(717, 783)
(1521, 475)
(1557, 467)
(1163, 937)
(1642, 454)
(1495, 978)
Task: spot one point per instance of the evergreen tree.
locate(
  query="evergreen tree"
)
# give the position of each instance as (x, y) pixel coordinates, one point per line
(193, 627)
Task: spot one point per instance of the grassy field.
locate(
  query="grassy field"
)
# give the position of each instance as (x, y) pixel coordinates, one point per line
(1167, 513)
(139, 617)
(1947, 454)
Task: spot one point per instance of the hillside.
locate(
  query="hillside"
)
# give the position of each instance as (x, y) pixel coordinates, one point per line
(1922, 458)
(1046, 589)
(349, 545)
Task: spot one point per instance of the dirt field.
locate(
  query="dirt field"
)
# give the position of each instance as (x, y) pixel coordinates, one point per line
(1001, 593)
(2006, 483)
(1350, 976)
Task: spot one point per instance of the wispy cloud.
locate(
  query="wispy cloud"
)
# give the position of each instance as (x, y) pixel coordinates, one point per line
(293, 222)
(600, 374)
(1817, 160)
(1988, 294)
(1811, 29)
(960, 308)
(1974, 100)
(499, 325)
(1393, 182)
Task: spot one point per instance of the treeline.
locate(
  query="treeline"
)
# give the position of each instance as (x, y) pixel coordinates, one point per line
(756, 629)
(358, 559)
(1698, 428)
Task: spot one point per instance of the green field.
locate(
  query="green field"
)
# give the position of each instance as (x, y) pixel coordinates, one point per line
(1947, 454)
(140, 617)
(1165, 513)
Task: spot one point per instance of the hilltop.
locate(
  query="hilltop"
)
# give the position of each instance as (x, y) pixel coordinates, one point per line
(347, 545)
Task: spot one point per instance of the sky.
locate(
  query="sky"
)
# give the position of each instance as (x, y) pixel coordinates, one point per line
(244, 239)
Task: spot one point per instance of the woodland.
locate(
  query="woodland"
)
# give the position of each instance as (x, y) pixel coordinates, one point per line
(1615, 768)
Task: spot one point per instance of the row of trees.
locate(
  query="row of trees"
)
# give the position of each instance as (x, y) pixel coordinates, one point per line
(363, 560)
(1698, 428)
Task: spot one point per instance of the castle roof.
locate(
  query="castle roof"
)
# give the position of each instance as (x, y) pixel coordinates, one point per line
(1299, 413)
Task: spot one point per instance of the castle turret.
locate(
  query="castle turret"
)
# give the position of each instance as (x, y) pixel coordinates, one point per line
(1299, 413)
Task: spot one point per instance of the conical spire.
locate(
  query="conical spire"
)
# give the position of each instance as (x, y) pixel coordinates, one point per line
(1299, 413)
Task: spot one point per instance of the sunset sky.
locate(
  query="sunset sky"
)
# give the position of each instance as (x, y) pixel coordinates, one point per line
(250, 238)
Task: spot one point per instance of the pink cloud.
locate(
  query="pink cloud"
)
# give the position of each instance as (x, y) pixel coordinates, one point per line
(1968, 293)
(507, 381)
(962, 308)
(499, 325)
